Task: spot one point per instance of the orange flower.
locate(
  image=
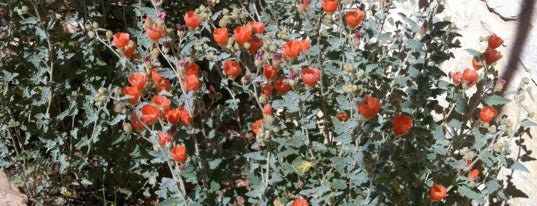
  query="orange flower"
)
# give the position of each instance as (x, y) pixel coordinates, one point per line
(329, 6)
(494, 41)
(267, 109)
(138, 80)
(492, 55)
(134, 92)
(164, 138)
(121, 39)
(487, 114)
(304, 45)
(150, 114)
(469, 76)
(155, 76)
(193, 69)
(255, 44)
(401, 124)
(300, 202)
(256, 125)
(267, 89)
(162, 101)
(232, 69)
(163, 85)
(342, 116)
(371, 107)
(270, 71)
(310, 76)
(221, 36)
(257, 27)
(129, 49)
(476, 64)
(185, 117)
(135, 122)
(155, 32)
(292, 48)
(179, 153)
(191, 20)
(437, 192)
(192, 83)
(172, 116)
(474, 174)
(242, 34)
(282, 86)
(457, 77)
(354, 18)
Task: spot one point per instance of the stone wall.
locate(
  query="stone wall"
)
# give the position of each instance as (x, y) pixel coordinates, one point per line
(479, 18)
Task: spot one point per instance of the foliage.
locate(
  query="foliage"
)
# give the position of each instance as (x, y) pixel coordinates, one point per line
(147, 103)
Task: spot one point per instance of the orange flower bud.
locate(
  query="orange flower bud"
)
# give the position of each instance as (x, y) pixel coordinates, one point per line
(150, 114)
(172, 116)
(221, 36)
(494, 41)
(138, 80)
(129, 49)
(354, 18)
(255, 44)
(270, 71)
(242, 34)
(401, 124)
(134, 92)
(191, 20)
(487, 114)
(457, 77)
(162, 101)
(474, 174)
(267, 109)
(470, 76)
(256, 125)
(437, 192)
(192, 83)
(282, 86)
(310, 76)
(300, 202)
(329, 6)
(371, 107)
(492, 55)
(342, 116)
(121, 39)
(476, 64)
(179, 153)
(232, 69)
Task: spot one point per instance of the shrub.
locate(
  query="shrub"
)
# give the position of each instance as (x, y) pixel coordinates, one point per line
(177, 106)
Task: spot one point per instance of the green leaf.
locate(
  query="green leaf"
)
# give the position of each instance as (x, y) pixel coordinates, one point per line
(455, 124)
(292, 101)
(496, 100)
(438, 134)
(461, 106)
(468, 192)
(493, 186)
(344, 104)
(519, 166)
(125, 191)
(527, 123)
(473, 52)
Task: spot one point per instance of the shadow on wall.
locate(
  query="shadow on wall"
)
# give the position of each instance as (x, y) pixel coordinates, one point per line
(523, 30)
